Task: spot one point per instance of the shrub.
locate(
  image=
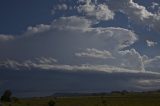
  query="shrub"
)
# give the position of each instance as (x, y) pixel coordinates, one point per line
(51, 103)
(6, 97)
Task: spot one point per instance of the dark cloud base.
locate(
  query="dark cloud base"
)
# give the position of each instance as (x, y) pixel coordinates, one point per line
(44, 83)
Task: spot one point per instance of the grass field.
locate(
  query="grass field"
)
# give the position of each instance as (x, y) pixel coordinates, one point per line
(110, 100)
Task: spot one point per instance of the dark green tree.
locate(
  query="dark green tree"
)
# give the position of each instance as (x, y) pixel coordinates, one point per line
(6, 97)
(51, 103)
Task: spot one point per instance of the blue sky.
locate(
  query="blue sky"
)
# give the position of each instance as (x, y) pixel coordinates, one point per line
(106, 36)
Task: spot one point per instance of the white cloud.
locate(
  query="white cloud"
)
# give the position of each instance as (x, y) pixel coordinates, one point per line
(37, 29)
(51, 64)
(73, 23)
(131, 59)
(129, 7)
(151, 43)
(27, 64)
(92, 10)
(136, 12)
(6, 37)
(94, 53)
(118, 38)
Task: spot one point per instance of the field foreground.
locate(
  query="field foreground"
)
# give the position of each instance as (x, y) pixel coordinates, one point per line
(139, 99)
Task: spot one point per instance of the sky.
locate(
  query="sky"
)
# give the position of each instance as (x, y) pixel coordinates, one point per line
(98, 46)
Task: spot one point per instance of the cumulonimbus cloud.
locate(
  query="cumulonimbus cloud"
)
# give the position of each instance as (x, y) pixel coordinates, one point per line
(77, 33)
(66, 36)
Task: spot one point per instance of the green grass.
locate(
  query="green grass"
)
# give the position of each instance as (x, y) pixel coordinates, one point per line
(110, 100)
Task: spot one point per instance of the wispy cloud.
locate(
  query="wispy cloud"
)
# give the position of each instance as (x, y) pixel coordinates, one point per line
(94, 53)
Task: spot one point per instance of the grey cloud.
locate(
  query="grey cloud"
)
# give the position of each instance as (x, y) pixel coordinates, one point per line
(148, 83)
(59, 7)
(154, 5)
(6, 37)
(62, 7)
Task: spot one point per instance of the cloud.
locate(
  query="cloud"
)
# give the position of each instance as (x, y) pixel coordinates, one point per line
(87, 78)
(124, 61)
(52, 65)
(136, 12)
(149, 83)
(27, 64)
(62, 7)
(67, 36)
(6, 37)
(154, 5)
(153, 64)
(95, 11)
(71, 23)
(128, 59)
(94, 53)
(37, 29)
(44, 60)
(132, 9)
(131, 59)
(151, 43)
(59, 7)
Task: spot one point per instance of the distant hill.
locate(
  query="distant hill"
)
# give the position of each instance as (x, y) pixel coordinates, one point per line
(78, 94)
(103, 93)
